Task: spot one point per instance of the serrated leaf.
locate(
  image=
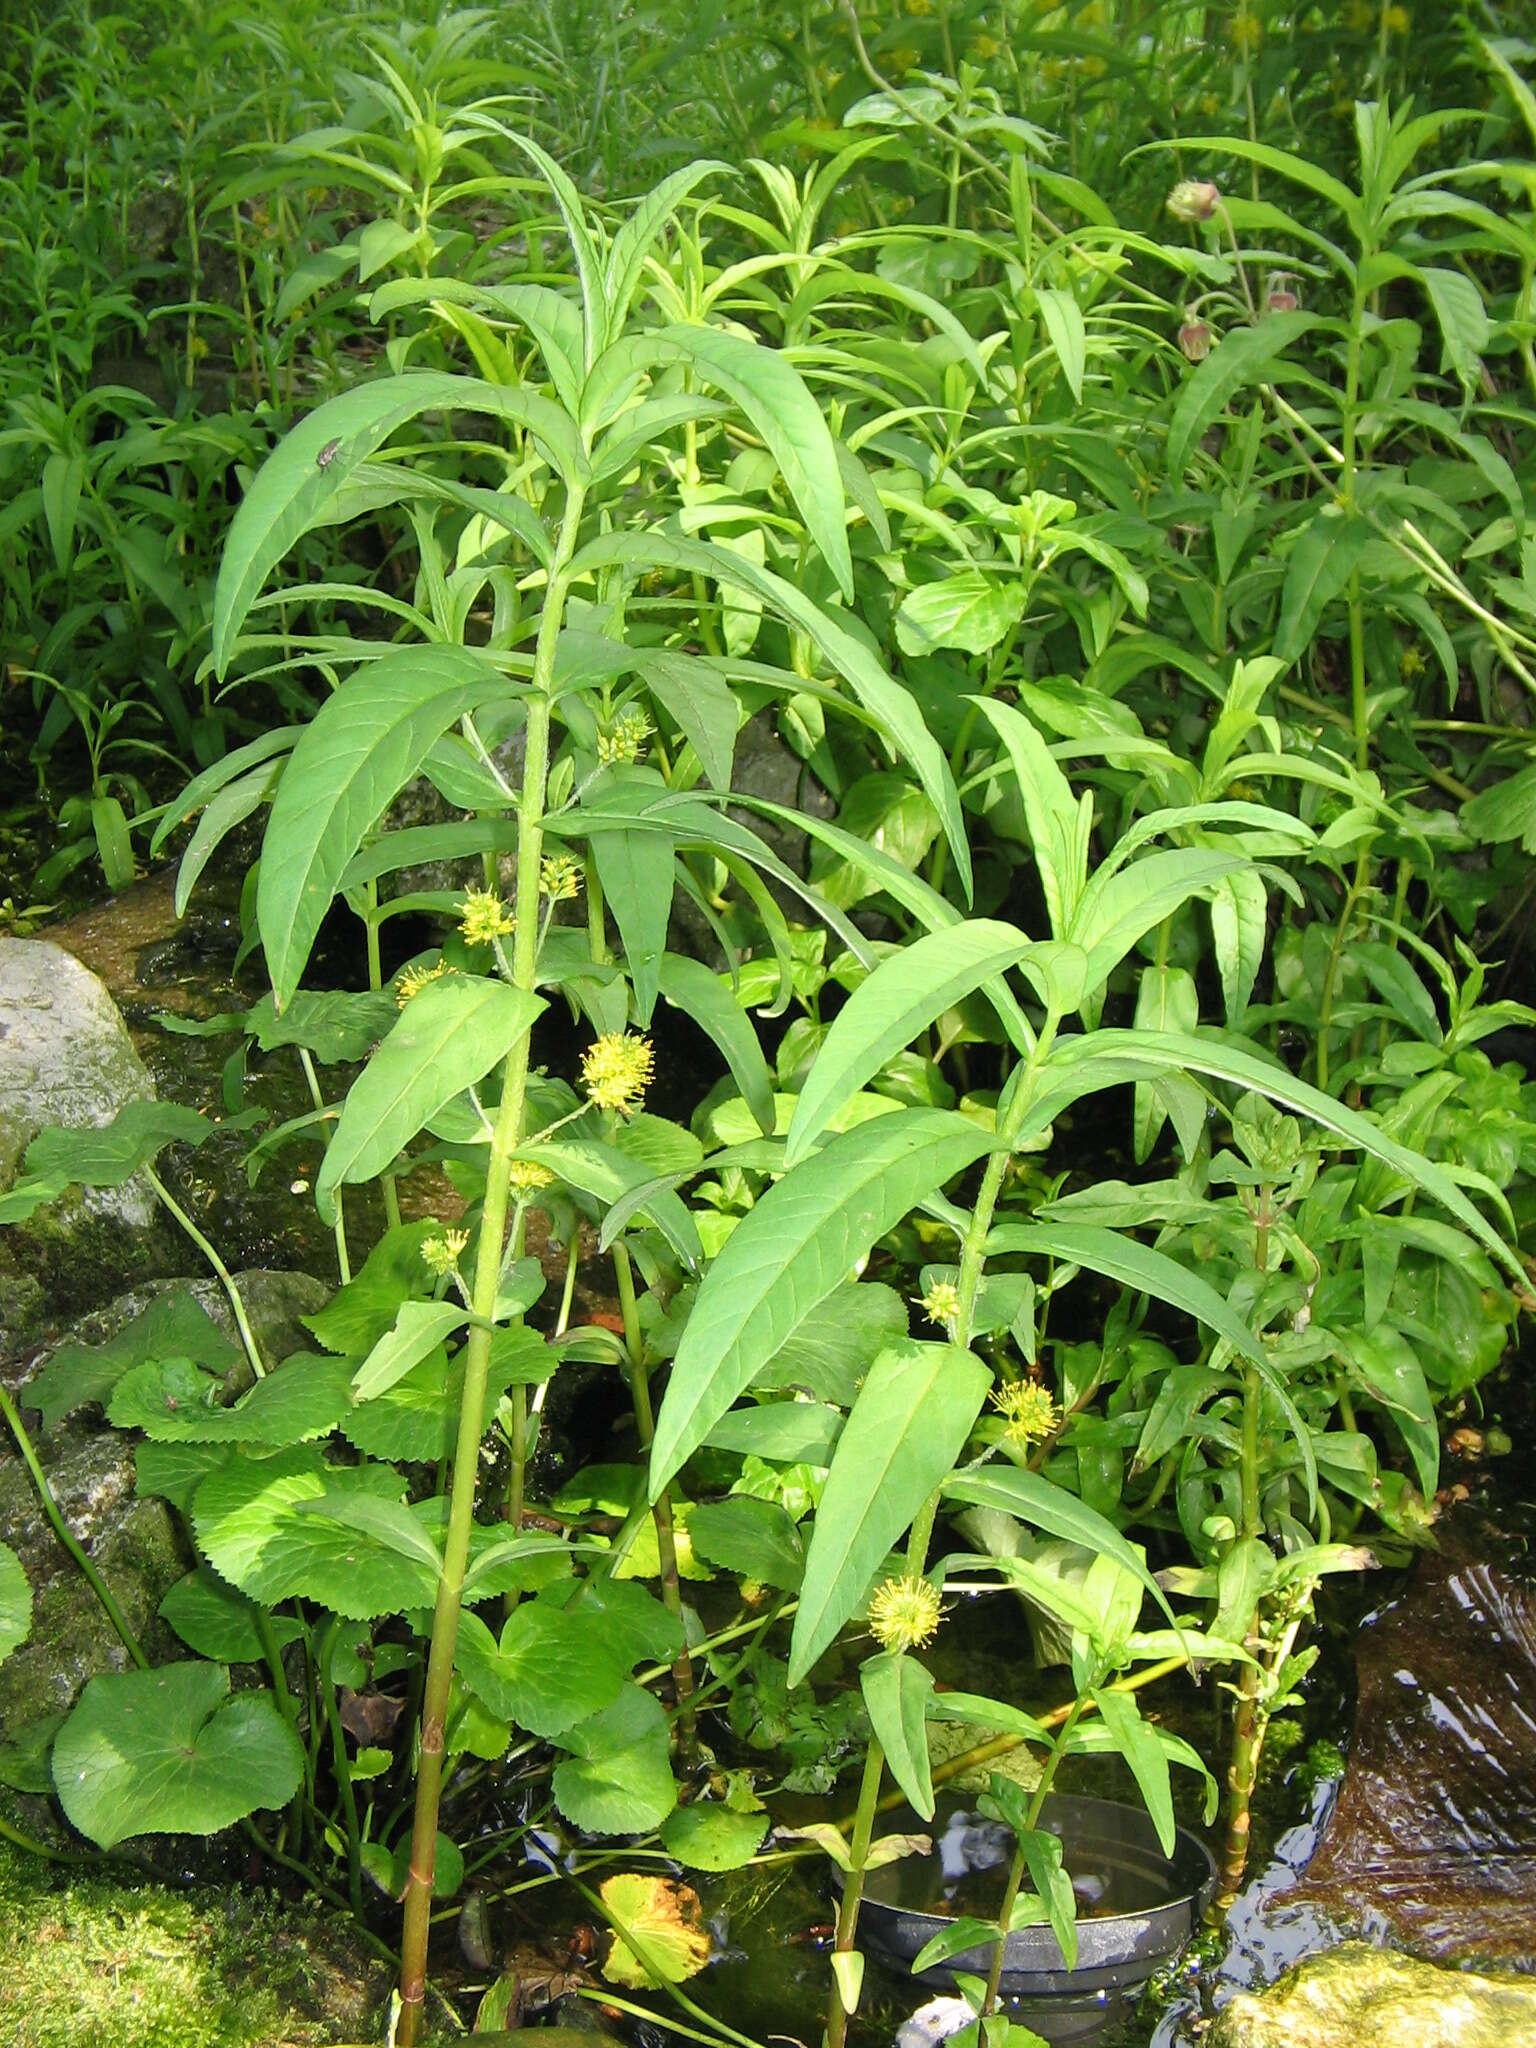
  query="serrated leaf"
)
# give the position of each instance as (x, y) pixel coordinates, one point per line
(551, 1669)
(173, 1326)
(713, 1837)
(906, 1430)
(303, 1398)
(800, 1241)
(660, 1933)
(169, 1753)
(104, 1157)
(753, 1538)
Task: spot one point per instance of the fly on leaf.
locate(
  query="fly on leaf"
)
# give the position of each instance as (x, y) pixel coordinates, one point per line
(328, 454)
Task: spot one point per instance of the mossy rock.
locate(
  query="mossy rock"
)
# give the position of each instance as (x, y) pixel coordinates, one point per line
(1356, 1994)
(87, 1962)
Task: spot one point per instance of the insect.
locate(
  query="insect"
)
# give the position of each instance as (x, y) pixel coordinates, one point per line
(328, 454)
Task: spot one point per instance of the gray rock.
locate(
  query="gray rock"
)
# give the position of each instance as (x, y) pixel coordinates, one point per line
(65, 1058)
(1357, 1995)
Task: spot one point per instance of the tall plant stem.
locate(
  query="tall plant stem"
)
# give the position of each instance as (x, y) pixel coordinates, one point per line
(1016, 1868)
(376, 981)
(493, 1221)
(974, 1249)
(226, 1278)
(66, 1535)
(853, 1886)
(661, 1512)
(1248, 1724)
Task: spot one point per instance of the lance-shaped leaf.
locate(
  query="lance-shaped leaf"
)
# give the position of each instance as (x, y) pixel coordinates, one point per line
(890, 1007)
(419, 1328)
(706, 997)
(1325, 556)
(363, 745)
(1052, 813)
(801, 1240)
(295, 486)
(1078, 1066)
(1238, 359)
(906, 1430)
(891, 707)
(15, 1602)
(1132, 1264)
(1044, 1505)
(448, 1037)
(896, 1692)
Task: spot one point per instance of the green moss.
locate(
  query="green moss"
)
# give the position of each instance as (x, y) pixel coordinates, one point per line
(89, 1962)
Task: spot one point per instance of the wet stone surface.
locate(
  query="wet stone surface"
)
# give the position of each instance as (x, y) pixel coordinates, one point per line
(1435, 1822)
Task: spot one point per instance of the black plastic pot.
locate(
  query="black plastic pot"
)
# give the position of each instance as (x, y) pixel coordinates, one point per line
(1136, 1907)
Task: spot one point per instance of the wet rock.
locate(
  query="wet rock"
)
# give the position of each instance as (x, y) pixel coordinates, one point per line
(135, 1544)
(1434, 1827)
(65, 1058)
(1357, 1995)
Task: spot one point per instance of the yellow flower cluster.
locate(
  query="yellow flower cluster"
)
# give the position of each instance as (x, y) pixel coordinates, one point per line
(415, 979)
(485, 917)
(560, 877)
(616, 1070)
(625, 739)
(527, 1176)
(442, 1254)
(941, 1304)
(1028, 1412)
(904, 1613)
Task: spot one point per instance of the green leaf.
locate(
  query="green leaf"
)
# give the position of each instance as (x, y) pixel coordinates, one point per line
(1109, 1057)
(1062, 318)
(639, 1629)
(785, 1432)
(1119, 908)
(1132, 1264)
(635, 871)
(801, 1240)
(168, 1398)
(246, 1518)
(363, 745)
(1042, 1852)
(883, 698)
(294, 489)
(706, 997)
(173, 1326)
(334, 1024)
(1465, 329)
(357, 1315)
(619, 1779)
(1044, 1505)
(219, 1623)
(713, 1837)
(58, 1159)
(1239, 921)
(771, 392)
(1166, 1000)
(1324, 557)
(1240, 358)
(551, 1669)
(448, 1037)
(896, 1692)
(1141, 1749)
(701, 701)
(1051, 812)
(969, 611)
(419, 1328)
(754, 1538)
(230, 807)
(1389, 1370)
(15, 1603)
(886, 1012)
(906, 1430)
(836, 1344)
(169, 1753)
(634, 241)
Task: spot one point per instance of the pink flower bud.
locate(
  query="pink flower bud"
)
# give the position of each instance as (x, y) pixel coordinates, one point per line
(1195, 340)
(1193, 199)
